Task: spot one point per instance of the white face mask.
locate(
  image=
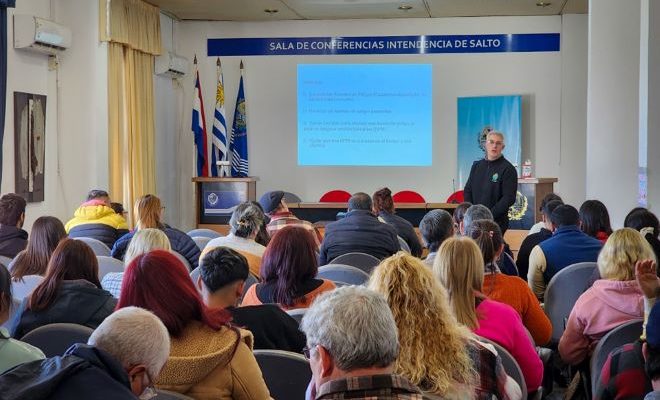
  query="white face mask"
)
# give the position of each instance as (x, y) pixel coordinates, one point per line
(148, 394)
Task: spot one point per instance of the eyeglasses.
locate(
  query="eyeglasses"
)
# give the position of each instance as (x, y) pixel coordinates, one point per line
(307, 352)
(495, 143)
(150, 391)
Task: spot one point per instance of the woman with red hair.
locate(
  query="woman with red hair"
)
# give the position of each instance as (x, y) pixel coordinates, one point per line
(209, 359)
(288, 272)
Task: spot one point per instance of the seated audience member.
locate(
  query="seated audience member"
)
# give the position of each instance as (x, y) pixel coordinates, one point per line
(651, 351)
(244, 226)
(623, 375)
(359, 231)
(96, 219)
(595, 220)
(507, 289)
(288, 272)
(209, 359)
(276, 209)
(479, 212)
(611, 301)
(383, 207)
(436, 353)
(12, 352)
(13, 238)
(536, 228)
(532, 240)
(143, 241)
(568, 245)
(474, 213)
(459, 214)
(119, 209)
(120, 360)
(223, 272)
(263, 237)
(644, 221)
(436, 227)
(352, 347)
(46, 234)
(70, 292)
(459, 266)
(148, 213)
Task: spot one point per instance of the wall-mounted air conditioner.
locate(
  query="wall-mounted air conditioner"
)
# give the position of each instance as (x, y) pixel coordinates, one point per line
(40, 35)
(172, 65)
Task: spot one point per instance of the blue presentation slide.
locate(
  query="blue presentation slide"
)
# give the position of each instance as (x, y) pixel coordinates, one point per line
(364, 114)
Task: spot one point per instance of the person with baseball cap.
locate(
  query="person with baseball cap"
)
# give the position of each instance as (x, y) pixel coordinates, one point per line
(275, 207)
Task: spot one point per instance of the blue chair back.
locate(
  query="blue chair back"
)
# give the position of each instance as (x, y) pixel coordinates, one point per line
(286, 374)
(108, 265)
(403, 245)
(98, 247)
(363, 261)
(22, 288)
(510, 364)
(617, 337)
(343, 273)
(563, 291)
(55, 339)
(209, 233)
(201, 241)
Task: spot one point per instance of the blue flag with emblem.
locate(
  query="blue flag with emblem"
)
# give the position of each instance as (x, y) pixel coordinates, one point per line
(238, 145)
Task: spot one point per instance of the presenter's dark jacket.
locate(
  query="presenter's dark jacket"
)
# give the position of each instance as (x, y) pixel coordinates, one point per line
(13, 240)
(359, 231)
(493, 184)
(404, 229)
(271, 327)
(83, 372)
(179, 241)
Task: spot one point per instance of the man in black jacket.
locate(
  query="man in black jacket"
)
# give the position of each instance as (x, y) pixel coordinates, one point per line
(13, 239)
(493, 181)
(122, 359)
(221, 281)
(359, 231)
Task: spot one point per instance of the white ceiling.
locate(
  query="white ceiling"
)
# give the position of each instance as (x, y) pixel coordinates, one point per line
(253, 10)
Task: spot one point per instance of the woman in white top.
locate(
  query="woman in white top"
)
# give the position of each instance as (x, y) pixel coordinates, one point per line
(12, 352)
(244, 223)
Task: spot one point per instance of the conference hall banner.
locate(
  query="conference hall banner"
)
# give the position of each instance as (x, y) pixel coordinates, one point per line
(412, 44)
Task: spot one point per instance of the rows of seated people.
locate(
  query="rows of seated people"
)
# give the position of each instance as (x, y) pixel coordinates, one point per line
(433, 327)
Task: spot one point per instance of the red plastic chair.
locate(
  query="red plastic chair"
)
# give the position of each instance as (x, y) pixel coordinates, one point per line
(456, 197)
(335, 196)
(408, 196)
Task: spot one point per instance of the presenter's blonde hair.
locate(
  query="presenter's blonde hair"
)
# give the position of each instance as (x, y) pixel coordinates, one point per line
(622, 250)
(434, 347)
(459, 266)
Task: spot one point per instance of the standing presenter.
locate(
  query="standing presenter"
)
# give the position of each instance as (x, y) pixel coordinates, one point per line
(493, 181)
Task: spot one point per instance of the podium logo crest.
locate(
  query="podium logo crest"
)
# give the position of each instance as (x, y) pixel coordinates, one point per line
(212, 199)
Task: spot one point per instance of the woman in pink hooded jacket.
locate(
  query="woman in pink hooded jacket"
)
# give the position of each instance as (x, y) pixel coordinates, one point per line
(611, 301)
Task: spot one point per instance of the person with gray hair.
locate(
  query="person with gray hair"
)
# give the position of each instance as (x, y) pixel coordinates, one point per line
(475, 212)
(352, 344)
(359, 231)
(245, 222)
(121, 360)
(435, 227)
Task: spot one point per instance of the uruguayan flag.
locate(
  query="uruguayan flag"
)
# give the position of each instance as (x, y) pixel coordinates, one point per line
(238, 144)
(219, 137)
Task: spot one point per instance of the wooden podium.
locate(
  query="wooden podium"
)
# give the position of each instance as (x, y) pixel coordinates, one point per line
(525, 212)
(216, 197)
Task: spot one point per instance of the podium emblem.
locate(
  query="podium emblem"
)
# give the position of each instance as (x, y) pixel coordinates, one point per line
(212, 198)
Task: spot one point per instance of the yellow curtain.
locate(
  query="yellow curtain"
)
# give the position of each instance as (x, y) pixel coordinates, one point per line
(131, 50)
